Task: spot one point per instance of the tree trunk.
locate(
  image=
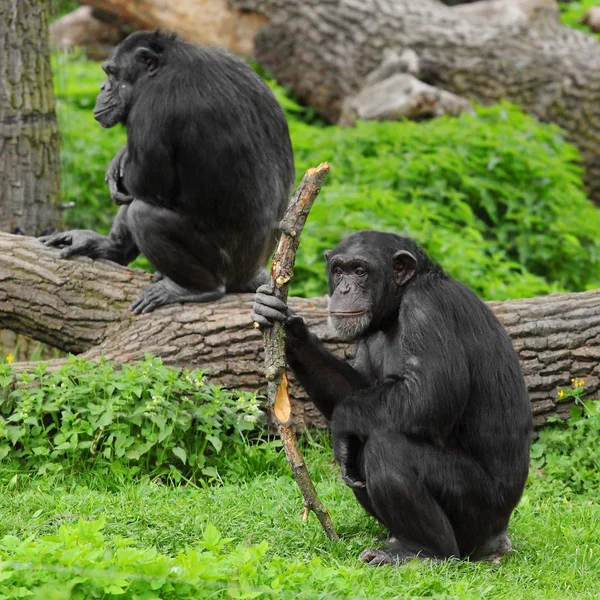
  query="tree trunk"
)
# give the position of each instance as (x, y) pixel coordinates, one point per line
(80, 306)
(29, 142)
(206, 22)
(483, 51)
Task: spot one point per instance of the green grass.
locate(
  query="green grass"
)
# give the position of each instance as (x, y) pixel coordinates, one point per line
(556, 540)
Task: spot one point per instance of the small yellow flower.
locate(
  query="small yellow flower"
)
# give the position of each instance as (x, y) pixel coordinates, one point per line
(560, 393)
(581, 382)
(9, 358)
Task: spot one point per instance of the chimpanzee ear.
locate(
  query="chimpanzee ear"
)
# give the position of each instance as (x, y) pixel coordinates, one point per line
(327, 254)
(405, 265)
(149, 59)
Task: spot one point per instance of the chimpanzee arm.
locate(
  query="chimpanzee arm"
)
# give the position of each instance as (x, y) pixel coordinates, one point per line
(123, 248)
(326, 378)
(150, 172)
(429, 393)
(117, 246)
(114, 178)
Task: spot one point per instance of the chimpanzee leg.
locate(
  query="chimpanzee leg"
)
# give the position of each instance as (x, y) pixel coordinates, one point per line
(436, 503)
(260, 278)
(191, 263)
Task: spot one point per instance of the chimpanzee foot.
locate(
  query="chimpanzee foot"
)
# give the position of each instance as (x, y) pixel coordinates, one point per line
(376, 558)
(494, 549)
(354, 484)
(167, 291)
(394, 553)
(380, 557)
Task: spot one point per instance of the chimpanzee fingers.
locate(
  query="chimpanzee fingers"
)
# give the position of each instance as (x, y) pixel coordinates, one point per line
(260, 321)
(124, 157)
(265, 288)
(111, 182)
(135, 304)
(261, 299)
(270, 313)
(74, 250)
(121, 199)
(64, 238)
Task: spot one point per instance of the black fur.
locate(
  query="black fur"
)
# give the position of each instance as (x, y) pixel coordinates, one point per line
(205, 175)
(431, 423)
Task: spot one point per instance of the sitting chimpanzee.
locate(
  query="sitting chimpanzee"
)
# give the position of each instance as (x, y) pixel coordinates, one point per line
(431, 423)
(205, 176)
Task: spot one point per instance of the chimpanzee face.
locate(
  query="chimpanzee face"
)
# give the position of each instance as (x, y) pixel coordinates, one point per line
(365, 283)
(351, 304)
(133, 61)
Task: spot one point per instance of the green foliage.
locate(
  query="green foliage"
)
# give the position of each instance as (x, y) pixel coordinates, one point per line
(86, 149)
(571, 13)
(142, 419)
(78, 563)
(59, 8)
(567, 455)
(496, 198)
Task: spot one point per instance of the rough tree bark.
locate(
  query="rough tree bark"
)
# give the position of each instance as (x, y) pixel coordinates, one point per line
(206, 22)
(80, 306)
(484, 51)
(29, 141)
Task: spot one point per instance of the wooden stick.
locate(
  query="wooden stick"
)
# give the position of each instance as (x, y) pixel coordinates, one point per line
(278, 399)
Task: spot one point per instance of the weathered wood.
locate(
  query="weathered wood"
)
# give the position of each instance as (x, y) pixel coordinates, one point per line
(278, 399)
(81, 306)
(83, 29)
(206, 22)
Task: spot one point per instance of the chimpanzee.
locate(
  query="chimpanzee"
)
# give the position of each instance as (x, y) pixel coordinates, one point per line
(431, 423)
(205, 175)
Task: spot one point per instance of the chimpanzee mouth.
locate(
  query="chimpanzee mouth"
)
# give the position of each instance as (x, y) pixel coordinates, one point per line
(98, 113)
(350, 325)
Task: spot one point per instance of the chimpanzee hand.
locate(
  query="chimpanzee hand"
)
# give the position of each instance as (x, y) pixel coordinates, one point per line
(346, 452)
(114, 178)
(79, 242)
(267, 309)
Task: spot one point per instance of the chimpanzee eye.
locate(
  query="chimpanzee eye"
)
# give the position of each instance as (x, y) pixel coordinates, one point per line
(360, 272)
(337, 271)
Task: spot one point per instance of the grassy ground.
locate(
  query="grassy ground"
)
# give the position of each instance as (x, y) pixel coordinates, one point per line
(556, 540)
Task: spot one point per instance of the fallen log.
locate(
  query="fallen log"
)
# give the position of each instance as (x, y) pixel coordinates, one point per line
(206, 22)
(481, 51)
(81, 306)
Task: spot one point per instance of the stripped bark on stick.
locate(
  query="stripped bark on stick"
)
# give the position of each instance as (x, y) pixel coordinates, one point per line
(278, 399)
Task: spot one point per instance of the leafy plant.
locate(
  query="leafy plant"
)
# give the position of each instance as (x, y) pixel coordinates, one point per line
(145, 418)
(77, 562)
(496, 198)
(566, 456)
